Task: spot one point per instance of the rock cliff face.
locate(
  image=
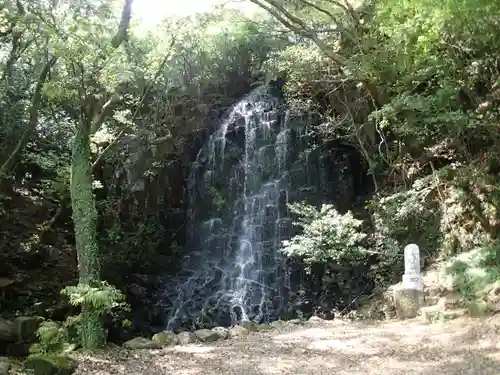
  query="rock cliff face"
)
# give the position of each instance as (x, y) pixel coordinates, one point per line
(259, 158)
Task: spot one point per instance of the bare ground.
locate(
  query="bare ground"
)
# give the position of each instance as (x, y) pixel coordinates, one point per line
(462, 346)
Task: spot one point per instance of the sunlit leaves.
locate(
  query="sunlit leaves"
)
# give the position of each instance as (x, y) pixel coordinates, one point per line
(326, 235)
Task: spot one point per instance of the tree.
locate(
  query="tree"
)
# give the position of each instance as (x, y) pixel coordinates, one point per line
(92, 116)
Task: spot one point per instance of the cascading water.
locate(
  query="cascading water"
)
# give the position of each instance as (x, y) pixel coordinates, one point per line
(238, 190)
(255, 162)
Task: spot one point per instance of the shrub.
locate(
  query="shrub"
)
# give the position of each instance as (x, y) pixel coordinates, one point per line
(326, 235)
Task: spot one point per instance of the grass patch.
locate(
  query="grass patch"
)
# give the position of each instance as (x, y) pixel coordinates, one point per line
(473, 271)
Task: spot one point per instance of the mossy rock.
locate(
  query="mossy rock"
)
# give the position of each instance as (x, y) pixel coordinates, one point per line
(278, 324)
(206, 335)
(165, 338)
(141, 343)
(50, 365)
(222, 332)
(27, 327)
(238, 331)
(262, 327)
(186, 338)
(7, 331)
(249, 325)
(18, 349)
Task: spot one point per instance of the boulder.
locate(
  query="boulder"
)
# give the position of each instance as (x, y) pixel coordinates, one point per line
(8, 331)
(18, 349)
(4, 366)
(165, 338)
(49, 365)
(141, 343)
(27, 327)
(263, 327)
(278, 324)
(296, 322)
(185, 338)
(238, 331)
(315, 320)
(207, 335)
(222, 332)
(249, 325)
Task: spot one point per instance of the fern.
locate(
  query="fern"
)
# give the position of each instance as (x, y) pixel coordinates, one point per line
(100, 299)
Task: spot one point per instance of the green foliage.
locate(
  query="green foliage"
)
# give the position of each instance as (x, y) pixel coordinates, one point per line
(433, 61)
(95, 301)
(471, 272)
(101, 299)
(56, 338)
(326, 235)
(409, 214)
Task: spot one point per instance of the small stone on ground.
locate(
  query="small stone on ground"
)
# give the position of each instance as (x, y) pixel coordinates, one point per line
(463, 346)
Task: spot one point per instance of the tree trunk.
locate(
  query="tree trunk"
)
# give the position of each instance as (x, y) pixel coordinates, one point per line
(85, 227)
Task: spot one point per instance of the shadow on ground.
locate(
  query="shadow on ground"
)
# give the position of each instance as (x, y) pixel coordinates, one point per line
(459, 347)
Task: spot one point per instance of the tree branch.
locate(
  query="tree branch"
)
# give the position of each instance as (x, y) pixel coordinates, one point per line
(136, 112)
(36, 100)
(105, 110)
(121, 35)
(295, 24)
(335, 19)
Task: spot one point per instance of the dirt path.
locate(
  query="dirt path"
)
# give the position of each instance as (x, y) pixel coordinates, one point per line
(462, 346)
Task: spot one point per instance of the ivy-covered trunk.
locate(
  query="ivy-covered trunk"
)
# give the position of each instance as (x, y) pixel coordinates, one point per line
(85, 226)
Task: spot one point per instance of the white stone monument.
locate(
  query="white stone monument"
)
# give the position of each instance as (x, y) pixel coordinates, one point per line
(409, 296)
(412, 278)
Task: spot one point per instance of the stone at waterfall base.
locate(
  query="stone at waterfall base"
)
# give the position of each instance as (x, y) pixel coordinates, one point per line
(278, 324)
(186, 338)
(207, 335)
(407, 302)
(248, 325)
(165, 338)
(222, 332)
(49, 365)
(141, 343)
(316, 320)
(238, 331)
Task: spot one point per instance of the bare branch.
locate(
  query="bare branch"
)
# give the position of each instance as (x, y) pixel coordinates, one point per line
(121, 35)
(105, 110)
(297, 25)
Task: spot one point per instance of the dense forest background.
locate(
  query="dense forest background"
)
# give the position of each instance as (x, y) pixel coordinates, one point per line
(89, 97)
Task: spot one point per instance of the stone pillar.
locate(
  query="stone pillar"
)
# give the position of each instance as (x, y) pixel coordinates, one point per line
(408, 298)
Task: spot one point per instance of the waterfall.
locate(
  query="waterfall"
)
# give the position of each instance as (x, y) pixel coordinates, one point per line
(237, 218)
(258, 159)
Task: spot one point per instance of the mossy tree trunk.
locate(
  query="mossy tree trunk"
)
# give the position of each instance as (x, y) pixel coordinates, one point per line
(82, 198)
(85, 226)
